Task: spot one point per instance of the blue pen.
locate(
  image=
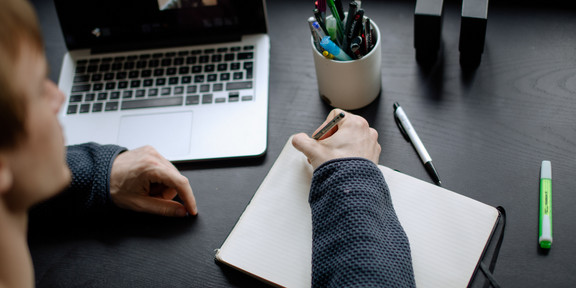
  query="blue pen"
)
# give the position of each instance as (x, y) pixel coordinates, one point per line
(333, 49)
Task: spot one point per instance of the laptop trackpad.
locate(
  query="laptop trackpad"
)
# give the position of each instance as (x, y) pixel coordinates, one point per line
(169, 133)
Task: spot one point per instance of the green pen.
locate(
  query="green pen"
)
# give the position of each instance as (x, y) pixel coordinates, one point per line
(545, 229)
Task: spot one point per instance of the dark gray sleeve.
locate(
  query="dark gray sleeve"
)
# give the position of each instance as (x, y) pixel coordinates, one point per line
(357, 238)
(89, 192)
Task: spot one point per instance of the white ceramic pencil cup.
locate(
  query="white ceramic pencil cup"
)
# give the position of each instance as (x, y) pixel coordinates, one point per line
(352, 84)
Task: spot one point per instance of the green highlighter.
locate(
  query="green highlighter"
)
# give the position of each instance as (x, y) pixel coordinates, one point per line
(545, 231)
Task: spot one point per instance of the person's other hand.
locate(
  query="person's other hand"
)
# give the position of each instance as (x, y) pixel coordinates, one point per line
(351, 137)
(144, 181)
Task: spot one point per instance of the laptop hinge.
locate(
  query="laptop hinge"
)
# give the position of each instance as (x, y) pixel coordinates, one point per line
(159, 44)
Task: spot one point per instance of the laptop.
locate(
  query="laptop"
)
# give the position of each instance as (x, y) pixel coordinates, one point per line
(188, 77)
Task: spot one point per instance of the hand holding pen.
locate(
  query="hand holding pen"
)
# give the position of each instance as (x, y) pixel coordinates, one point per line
(350, 137)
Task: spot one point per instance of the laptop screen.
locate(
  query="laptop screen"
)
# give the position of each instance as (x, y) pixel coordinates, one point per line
(115, 25)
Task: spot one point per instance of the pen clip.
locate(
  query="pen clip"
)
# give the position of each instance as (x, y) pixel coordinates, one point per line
(399, 124)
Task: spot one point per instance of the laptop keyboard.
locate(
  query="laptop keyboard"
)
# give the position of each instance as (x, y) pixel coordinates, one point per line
(175, 78)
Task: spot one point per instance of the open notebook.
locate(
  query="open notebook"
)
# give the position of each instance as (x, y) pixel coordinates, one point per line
(272, 240)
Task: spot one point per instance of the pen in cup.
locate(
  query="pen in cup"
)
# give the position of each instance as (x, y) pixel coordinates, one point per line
(329, 126)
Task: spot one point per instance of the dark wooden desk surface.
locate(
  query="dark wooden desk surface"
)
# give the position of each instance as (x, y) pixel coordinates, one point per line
(487, 131)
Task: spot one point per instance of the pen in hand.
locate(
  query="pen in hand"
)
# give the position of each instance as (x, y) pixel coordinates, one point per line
(409, 132)
(329, 126)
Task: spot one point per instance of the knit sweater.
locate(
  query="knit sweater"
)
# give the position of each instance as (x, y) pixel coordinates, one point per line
(89, 192)
(357, 238)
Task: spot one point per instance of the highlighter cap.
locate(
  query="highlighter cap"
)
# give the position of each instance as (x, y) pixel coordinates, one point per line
(546, 170)
(329, 46)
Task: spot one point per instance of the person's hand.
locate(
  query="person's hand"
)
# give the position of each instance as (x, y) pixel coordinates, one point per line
(352, 137)
(144, 181)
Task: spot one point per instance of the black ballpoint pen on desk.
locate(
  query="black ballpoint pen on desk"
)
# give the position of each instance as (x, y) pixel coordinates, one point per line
(409, 133)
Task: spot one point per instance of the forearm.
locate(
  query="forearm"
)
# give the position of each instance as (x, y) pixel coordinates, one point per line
(89, 191)
(357, 238)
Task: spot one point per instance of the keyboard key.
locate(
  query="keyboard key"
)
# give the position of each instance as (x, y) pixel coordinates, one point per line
(235, 66)
(217, 87)
(212, 77)
(84, 108)
(160, 81)
(98, 86)
(245, 56)
(102, 96)
(116, 66)
(92, 68)
(140, 93)
(222, 67)
(111, 106)
(114, 95)
(108, 76)
(141, 64)
(184, 70)
(224, 76)
(158, 72)
(204, 88)
(96, 77)
(166, 91)
(171, 71)
(237, 76)
(238, 85)
(153, 92)
(72, 109)
(191, 60)
(222, 50)
(104, 67)
(204, 59)
(80, 69)
(135, 84)
(173, 80)
(249, 47)
(216, 58)
(220, 100)
(110, 85)
(233, 97)
(81, 88)
(148, 82)
(121, 75)
(229, 57)
(207, 98)
(178, 61)
(127, 94)
(153, 63)
(89, 97)
(209, 50)
(247, 98)
(97, 107)
(209, 68)
(81, 78)
(122, 84)
(196, 69)
(152, 103)
(191, 89)
(166, 62)
(134, 74)
(186, 79)
(129, 65)
(146, 73)
(193, 100)
(199, 79)
(178, 90)
(75, 98)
